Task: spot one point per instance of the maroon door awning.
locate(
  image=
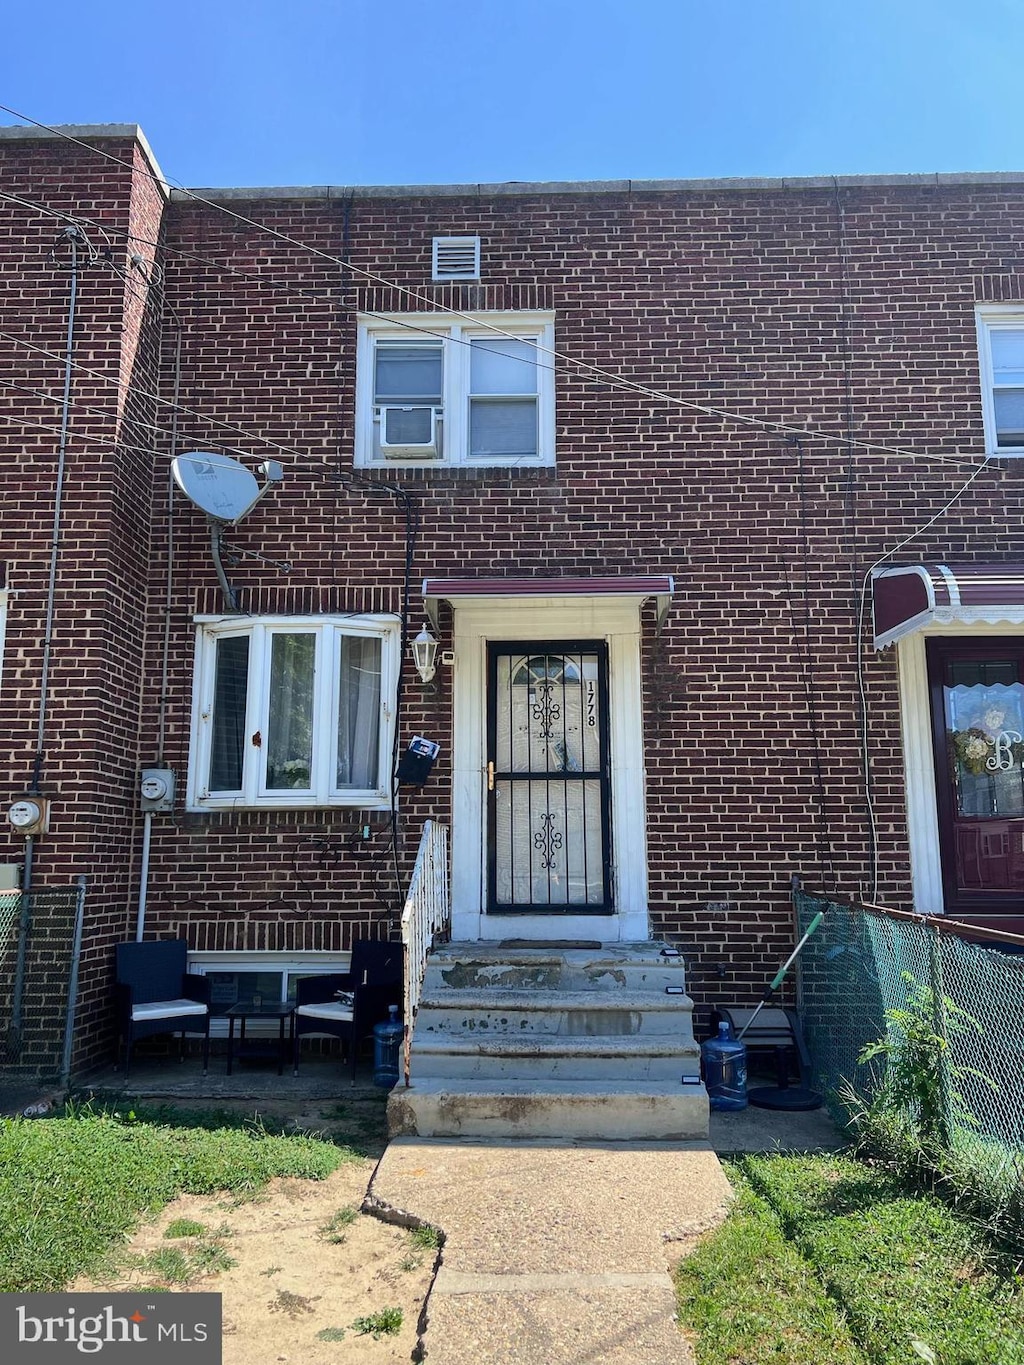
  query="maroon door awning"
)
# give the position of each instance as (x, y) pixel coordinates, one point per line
(909, 597)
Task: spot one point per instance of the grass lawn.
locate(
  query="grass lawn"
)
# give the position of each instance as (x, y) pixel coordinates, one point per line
(828, 1261)
(72, 1187)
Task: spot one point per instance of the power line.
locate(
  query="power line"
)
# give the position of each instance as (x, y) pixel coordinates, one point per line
(766, 424)
(19, 421)
(164, 402)
(862, 680)
(407, 324)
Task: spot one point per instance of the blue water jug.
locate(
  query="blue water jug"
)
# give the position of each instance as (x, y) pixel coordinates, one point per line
(725, 1069)
(387, 1049)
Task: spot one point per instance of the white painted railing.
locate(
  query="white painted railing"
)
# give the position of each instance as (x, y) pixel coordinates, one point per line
(427, 911)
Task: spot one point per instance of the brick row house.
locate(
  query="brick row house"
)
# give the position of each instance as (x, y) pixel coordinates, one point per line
(707, 491)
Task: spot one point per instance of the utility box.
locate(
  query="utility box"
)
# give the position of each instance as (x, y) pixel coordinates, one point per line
(10, 876)
(156, 789)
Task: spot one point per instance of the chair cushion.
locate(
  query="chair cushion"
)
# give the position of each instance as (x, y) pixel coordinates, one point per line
(336, 1012)
(166, 1009)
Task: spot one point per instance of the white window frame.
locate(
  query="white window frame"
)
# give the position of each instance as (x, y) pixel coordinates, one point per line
(991, 317)
(260, 630)
(455, 334)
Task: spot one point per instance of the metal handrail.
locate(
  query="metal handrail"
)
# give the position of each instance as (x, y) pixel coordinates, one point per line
(426, 913)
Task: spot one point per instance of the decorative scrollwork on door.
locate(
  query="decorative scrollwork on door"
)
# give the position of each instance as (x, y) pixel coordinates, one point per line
(547, 840)
(545, 709)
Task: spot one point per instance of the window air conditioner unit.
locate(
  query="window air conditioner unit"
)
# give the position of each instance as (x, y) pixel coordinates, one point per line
(408, 433)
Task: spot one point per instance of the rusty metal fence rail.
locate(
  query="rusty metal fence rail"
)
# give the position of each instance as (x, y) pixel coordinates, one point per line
(40, 943)
(866, 960)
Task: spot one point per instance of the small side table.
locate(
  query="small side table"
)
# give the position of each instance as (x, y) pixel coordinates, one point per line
(284, 1014)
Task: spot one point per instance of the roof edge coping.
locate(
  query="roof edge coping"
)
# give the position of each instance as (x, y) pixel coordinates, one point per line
(94, 132)
(937, 180)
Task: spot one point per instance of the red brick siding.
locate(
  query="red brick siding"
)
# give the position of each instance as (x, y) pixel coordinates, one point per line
(736, 300)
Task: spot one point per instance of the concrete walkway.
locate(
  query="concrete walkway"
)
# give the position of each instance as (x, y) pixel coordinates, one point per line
(559, 1253)
(554, 1254)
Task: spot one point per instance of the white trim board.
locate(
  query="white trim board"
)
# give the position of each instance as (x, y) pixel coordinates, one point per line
(617, 621)
(918, 757)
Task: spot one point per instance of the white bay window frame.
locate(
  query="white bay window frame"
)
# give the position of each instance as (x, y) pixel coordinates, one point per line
(322, 788)
(455, 336)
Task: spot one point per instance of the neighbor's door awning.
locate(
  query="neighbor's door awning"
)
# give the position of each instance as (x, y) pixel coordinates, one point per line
(909, 597)
(639, 587)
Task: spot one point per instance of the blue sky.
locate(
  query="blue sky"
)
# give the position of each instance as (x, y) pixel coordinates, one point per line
(343, 92)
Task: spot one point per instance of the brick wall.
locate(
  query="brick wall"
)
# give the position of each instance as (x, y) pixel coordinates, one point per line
(89, 749)
(840, 312)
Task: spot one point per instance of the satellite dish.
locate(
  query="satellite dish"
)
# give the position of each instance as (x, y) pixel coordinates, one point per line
(226, 491)
(220, 486)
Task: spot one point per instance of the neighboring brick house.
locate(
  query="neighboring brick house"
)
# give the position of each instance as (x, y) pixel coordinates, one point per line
(576, 412)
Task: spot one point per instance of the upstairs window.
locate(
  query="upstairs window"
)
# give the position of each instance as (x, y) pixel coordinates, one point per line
(435, 391)
(1001, 351)
(293, 712)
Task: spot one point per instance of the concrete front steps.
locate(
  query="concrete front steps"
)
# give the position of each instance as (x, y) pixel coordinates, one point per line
(553, 1041)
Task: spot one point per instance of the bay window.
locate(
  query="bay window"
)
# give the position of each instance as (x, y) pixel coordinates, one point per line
(293, 712)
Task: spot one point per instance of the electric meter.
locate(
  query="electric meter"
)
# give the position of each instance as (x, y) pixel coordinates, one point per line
(28, 816)
(156, 789)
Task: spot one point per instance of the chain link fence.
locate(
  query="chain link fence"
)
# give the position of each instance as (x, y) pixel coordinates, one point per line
(40, 943)
(865, 961)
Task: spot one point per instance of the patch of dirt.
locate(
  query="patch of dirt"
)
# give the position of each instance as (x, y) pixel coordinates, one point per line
(299, 1270)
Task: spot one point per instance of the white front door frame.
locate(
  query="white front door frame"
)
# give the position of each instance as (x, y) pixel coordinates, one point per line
(616, 620)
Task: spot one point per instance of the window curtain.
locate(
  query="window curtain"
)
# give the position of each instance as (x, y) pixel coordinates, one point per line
(230, 689)
(358, 712)
(290, 742)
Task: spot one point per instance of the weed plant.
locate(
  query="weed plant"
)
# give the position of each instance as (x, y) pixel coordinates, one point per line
(387, 1322)
(184, 1265)
(185, 1227)
(334, 1230)
(426, 1237)
(916, 1121)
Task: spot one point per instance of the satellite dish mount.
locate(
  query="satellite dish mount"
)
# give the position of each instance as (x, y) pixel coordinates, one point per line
(226, 491)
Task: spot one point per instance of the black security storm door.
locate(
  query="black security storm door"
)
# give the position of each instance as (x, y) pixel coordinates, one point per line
(548, 788)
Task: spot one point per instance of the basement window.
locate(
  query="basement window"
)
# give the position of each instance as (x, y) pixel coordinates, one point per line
(293, 712)
(239, 978)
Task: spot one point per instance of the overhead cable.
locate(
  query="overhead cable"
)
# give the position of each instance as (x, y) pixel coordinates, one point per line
(765, 424)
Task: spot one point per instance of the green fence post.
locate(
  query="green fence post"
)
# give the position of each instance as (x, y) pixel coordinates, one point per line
(945, 1117)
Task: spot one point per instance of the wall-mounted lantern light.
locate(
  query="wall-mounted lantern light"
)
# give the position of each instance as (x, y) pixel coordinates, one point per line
(424, 652)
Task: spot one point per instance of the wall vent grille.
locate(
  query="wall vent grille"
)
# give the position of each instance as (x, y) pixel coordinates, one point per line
(456, 258)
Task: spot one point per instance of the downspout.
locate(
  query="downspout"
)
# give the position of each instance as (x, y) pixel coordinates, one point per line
(147, 834)
(76, 958)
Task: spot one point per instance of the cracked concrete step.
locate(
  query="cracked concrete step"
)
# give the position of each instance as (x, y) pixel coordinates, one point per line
(600, 1110)
(573, 1014)
(479, 966)
(664, 1058)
